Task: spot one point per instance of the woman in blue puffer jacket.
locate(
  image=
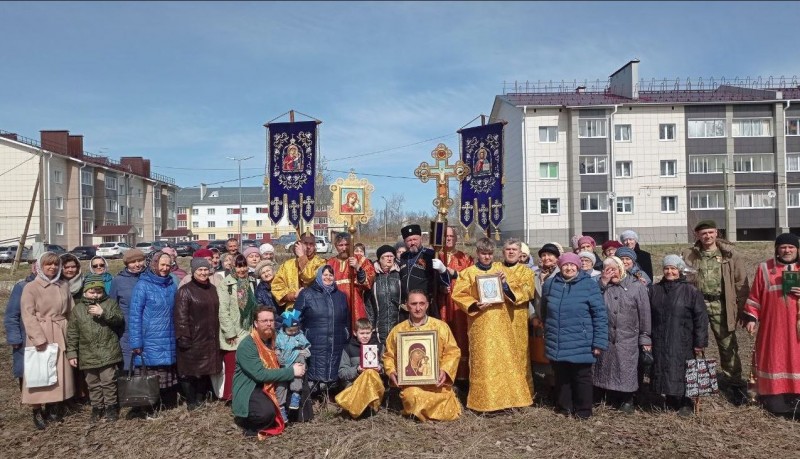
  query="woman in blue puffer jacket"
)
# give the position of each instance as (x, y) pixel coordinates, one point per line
(576, 331)
(151, 330)
(324, 319)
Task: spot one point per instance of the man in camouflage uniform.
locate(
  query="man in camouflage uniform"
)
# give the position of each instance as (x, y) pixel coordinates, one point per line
(722, 279)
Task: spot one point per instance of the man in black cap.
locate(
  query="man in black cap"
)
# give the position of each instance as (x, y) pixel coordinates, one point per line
(722, 279)
(420, 269)
(383, 301)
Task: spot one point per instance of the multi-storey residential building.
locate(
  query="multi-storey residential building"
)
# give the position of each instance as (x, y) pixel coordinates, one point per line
(655, 157)
(82, 199)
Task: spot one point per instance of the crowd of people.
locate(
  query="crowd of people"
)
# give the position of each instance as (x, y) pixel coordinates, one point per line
(268, 338)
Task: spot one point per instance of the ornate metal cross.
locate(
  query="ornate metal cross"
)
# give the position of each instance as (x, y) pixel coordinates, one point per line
(443, 172)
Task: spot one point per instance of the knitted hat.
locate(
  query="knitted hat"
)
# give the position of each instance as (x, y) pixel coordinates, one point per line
(411, 230)
(385, 249)
(586, 240)
(202, 253)
(569, 257)
(628, 234)
(626, 252)
(787, 238)
(705, 224)
(617, 263)
(589, 255)
(290, 318)
(198, 263)
(608, 244)
(94, 281)
(251, 250)
(674, 260)
(550, 248)
(266, 248)
(523, 247)
(132, 255)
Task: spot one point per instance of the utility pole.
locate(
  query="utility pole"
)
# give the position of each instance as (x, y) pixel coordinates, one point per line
(239, 160)
(385, 217)
(24, 237)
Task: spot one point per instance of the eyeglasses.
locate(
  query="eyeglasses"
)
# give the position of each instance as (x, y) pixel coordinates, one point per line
(98, 266)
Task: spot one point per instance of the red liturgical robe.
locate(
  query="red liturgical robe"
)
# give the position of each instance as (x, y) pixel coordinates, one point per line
(343, 274)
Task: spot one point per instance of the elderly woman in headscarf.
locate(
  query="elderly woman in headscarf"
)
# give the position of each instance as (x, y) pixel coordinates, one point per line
(46, 303)
(253, 257)
(99, 267)
(151, 328)
(176, 271)
(196, 319)
(72, 274)
(680, 331)
(265, 273)
(237, 302)
(324, 319)
(615, 375)
(628, 257)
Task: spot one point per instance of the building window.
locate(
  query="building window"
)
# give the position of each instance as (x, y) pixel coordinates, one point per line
(59, 203)
(158, 212)
(548, 134)
(262, 210)
(211, 211)
(86, 178)
(592, 165)
(591, 127)
(211, 224)
(88, 203)
(182, 224)
(751, 127)
(706, 199)
(122, 210)
(122, 190)
(195, 211)
(111, 183)
(194, 224)
(622, 132)
(794, 197)
(259, 222)
(59, 229)
(259, 236)
(230, 223)
(666, 132)
(230, 210)
(792, 126)
(111, 205)
(669, 204)
(212, 236)
(549, 206)
(232, 235)
(58, 177)
(669, 168)
(753, 163)
(594, 202)
(707, 164)
(87, 227)
(548, 170)
(754, 199)
(699, 129)
(625, 205)
(322, 220)
(182, 210)
(624, 169)
(244, 222)
(139, 193)
(141, 213)
(244, 210)
(793, 162)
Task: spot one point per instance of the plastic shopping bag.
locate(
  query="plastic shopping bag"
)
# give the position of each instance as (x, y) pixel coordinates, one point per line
(40, 367)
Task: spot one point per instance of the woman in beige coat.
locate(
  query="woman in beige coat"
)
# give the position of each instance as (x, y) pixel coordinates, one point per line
(46, 304)
(237, 302)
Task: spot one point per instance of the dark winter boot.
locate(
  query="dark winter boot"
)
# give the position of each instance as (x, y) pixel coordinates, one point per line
(38, 419)
(53, 412)
(112, 413)
(97, 414)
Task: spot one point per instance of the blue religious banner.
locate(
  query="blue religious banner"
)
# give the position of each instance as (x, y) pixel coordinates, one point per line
(482, 189)
(292, 158)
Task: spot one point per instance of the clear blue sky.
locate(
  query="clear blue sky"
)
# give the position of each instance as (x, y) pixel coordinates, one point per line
(187, 84)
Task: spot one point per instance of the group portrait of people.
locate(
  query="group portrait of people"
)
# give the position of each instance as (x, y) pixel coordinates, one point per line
(271, 339)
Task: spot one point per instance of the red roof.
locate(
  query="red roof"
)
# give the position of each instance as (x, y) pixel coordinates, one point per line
(180, 232)
(114, 230)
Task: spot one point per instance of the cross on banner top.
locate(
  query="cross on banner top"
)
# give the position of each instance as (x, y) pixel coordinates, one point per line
(443, 172)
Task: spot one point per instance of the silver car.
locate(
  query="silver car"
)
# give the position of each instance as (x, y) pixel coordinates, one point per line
(9, 252)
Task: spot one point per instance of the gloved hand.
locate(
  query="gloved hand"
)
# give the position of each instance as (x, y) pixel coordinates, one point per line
(439, 266)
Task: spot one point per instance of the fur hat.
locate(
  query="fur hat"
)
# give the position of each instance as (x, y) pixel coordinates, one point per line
(411, 230)
(628, 234)
(674, 260)
(385, 249)
(589, 255)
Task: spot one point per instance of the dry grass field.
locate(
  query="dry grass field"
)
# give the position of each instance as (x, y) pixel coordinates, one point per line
(720, 431)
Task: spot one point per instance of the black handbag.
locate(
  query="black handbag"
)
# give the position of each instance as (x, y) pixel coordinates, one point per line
(137, 391)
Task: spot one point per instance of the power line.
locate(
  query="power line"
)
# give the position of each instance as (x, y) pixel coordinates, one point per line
(20, 164)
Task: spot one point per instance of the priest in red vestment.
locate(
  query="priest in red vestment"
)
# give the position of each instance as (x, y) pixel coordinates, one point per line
(777, 356)
(450, 312)
(348, 270)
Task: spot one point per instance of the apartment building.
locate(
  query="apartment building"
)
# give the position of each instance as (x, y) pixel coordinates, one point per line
(82, 198)
(653, 156)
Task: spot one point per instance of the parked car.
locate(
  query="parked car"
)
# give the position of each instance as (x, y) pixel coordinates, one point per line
(186, 249)
(324, 245)
(110, 250)
(84, 252)
(9, 252)
(286, 241)
(248, 243)
(152, 246)
(218, 244)
(56, 249)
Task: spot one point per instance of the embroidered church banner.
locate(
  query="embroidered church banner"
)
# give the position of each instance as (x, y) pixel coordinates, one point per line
(482, 189)
(292, 149)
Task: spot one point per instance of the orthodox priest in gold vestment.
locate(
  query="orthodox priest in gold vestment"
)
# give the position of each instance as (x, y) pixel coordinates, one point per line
(297, 273)
(431, 402)
(500, 372)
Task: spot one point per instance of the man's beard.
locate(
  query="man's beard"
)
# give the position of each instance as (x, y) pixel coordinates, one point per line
(413, 249)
